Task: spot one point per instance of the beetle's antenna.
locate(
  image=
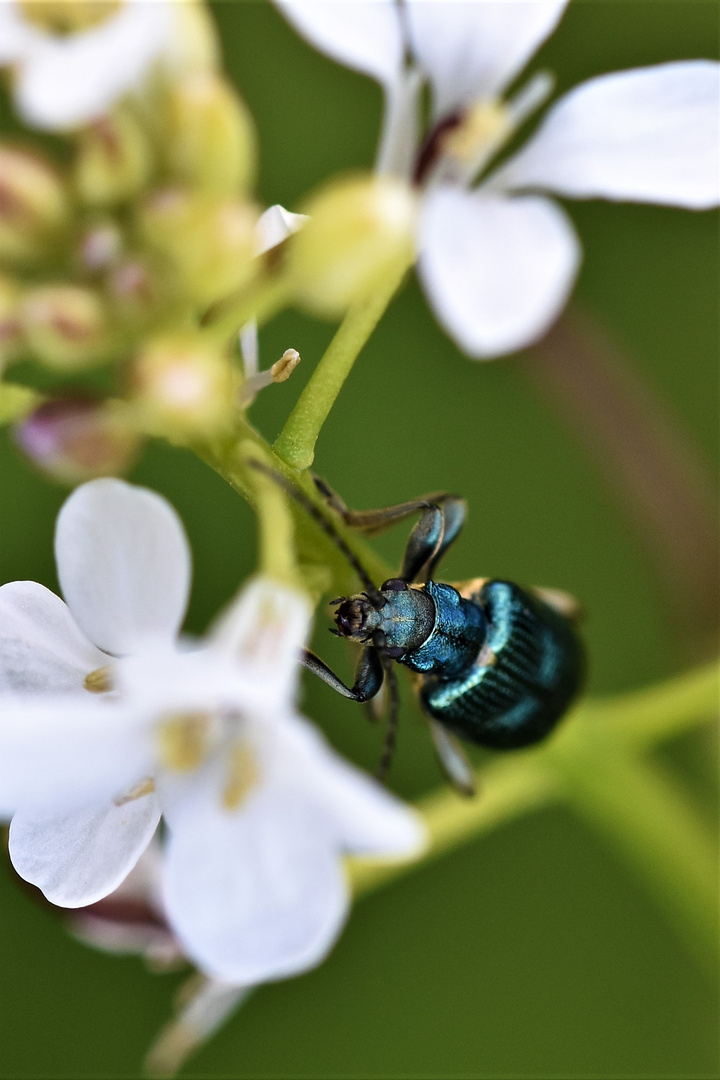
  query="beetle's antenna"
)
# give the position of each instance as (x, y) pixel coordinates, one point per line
(373, 593)
(391, 733)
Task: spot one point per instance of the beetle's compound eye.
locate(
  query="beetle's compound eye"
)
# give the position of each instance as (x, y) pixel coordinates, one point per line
(394, 652)
(393, 584)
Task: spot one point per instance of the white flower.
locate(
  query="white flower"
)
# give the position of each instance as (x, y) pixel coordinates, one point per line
(108, 720)
(497, 261)
(66, 79)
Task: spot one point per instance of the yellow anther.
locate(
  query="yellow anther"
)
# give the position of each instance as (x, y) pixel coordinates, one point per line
(62, 17)
(243, 775)
(98, 681)
(483, 129)
(184, 741)
(145, 787)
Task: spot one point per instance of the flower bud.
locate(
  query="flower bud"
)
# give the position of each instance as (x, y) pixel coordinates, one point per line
(73, 439)
(360, 232)
(210, 242)
(11, 328)
(210, 135)
(183, 388)
(33, 206)
(113, 161)
(66, 326)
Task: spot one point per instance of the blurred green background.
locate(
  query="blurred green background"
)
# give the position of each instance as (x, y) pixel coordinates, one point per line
(533, 952)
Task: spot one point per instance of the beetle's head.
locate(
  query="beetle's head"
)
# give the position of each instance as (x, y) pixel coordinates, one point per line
(396, 618)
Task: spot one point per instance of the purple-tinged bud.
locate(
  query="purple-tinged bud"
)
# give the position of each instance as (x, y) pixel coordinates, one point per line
(73, 439)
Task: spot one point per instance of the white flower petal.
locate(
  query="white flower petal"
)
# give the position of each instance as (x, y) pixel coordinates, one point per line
(361, 34)
(74, 79)
(263, 631)
(16, 35)
(42, 650)
(123, 564)
(254, 894)
(61, 754)
(473, 49)
(78, 858)
(274, 226)
(365, 818)
(497, 271)
(650, 134)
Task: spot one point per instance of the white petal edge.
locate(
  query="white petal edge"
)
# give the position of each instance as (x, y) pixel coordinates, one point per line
(274, 226)
(123, 564)
(497, 271)
(361, 34)
(256, 894)
(362, 815)
(649, 135)
(69, 81)
(78, 858)
(473, 49)
(60, 754)
(263, 631)
(42, 649)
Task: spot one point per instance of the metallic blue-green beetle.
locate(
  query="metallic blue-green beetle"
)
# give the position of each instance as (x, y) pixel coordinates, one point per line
(496, 664)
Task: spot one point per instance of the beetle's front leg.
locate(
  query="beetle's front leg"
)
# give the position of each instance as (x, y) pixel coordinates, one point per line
(368, 674)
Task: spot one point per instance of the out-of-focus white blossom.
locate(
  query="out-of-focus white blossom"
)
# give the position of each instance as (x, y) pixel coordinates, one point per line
(497, 258)
(108, 720)
(70, 71)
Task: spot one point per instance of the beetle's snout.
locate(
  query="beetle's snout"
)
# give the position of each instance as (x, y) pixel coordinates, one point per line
(351, 617)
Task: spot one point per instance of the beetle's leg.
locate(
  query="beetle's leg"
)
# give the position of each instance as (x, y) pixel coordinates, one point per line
(391, 733)
(374, 521)
(368, 674)
(453, 759)
(436, 530)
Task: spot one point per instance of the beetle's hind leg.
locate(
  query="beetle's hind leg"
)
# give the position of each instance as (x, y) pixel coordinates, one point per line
(442, 517)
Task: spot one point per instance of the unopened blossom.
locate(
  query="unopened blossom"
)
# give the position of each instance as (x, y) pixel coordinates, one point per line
(497, 257)
(109, 720)
(72, 60)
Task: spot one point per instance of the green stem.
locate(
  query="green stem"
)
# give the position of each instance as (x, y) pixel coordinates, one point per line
(506, 790)
(648, 819)
(296, 442)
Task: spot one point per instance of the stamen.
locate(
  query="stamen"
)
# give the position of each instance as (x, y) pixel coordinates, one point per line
(99, 681)
(184, 741)
(145, 787)
(243, 775)
(281, 370)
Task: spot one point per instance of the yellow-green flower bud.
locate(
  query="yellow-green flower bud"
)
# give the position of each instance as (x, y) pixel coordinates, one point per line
(360, 233)
(66, 326)
(73, 439)
(34, 209)
(210, 136)
(210, 242)
(11, 328)
(113, 161)
(183, 388)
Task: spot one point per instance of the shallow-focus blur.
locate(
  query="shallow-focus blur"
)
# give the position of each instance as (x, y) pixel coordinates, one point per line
(533, 951)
